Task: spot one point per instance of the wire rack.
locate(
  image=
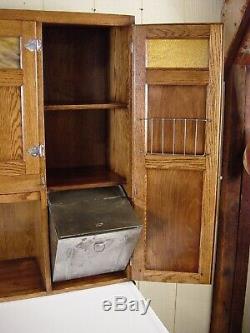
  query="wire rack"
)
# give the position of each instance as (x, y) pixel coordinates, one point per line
(175, 136)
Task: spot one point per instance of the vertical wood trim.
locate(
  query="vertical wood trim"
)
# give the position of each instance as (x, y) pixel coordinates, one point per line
(138, 144)
(243, 240)
(44, 209)
(229, 201)
(44, 235)
(212, 149)
(41, 112)
(29, 95)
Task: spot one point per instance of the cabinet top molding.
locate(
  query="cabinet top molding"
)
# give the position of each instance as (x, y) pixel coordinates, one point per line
(67, 17)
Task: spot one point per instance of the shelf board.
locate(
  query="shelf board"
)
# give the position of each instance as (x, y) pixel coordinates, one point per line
(88, 282)
(100, 106)
(20, 277)
(80, 178)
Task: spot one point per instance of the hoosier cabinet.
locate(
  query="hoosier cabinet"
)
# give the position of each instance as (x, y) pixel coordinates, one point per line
(91, 100)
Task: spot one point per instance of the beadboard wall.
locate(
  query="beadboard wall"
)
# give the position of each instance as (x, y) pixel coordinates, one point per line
(183, 308)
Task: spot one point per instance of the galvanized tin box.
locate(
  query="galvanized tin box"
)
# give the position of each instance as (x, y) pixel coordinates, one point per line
(92, 231)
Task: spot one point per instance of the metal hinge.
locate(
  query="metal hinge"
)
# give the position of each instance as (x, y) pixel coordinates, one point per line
(34, 45)
(36, 151)
(131, 47)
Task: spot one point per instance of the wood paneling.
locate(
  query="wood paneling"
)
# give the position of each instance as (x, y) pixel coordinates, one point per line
(29, 101)
(213, 150)
(119, 129)
(17, 225)
(20, 277)
(153, 259)
(18, 118)
(85, 107)
(172, 31)
(87, 177)
(18, 184)
(67, 17)
(175, 77)
(11, 77)
(74, 71)
(175, 162)
(85, 136)
(75, 139)
(175, 102)
(88, 282)
(228, 224)
(173, 220)
(11, 147)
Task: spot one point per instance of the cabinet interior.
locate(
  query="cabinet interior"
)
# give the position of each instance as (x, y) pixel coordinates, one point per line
(87, 115)
(21, 257)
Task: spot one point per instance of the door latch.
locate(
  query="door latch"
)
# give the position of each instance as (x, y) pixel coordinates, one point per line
(36, 151)
(34, 45)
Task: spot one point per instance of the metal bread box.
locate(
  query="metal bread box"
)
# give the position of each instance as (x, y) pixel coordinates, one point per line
(92, 231)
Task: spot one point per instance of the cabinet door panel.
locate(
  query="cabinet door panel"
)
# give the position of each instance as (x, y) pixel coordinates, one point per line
(173, 220)
(176, 146)
(18, 100)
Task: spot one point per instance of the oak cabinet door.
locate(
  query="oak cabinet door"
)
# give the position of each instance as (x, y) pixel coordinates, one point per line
(176, 149)
(18, 100)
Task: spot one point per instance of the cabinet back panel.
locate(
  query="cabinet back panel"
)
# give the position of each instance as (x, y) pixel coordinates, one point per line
(173, 220)
(11, 124)
(176, 102)
(75, 138)
(76, 64)
(18, 230)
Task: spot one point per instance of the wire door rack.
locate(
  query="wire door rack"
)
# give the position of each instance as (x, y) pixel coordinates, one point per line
(175, 136)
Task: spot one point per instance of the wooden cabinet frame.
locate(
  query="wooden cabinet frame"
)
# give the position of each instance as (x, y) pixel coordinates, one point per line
(127, 106)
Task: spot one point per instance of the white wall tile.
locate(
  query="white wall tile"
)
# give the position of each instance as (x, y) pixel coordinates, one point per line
(126, 7)
(69, 5)
(202, 11)
(162, 11)
(193, 308)
(162, 297)
(21, 4)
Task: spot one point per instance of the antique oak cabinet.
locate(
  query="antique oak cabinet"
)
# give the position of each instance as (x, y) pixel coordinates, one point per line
(91, 100)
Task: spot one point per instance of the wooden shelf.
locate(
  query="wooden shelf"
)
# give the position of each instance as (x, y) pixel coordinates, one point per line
(80, 178)
(20, 277)
(72, 107)
(89, 281)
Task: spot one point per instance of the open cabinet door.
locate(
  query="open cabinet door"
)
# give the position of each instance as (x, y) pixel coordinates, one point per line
(176, 149)
(19, 141)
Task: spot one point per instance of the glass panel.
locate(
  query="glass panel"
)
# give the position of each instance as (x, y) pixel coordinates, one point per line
(11, 117)
(177, 53)
(9, 52)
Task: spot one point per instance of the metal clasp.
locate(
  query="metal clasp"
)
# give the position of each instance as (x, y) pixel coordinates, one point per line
(36, 151)
(34, 45)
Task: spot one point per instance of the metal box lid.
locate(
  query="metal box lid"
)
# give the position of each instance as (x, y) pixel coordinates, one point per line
(91, 211)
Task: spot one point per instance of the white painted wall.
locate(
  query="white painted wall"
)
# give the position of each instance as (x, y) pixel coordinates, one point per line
(182, 308)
